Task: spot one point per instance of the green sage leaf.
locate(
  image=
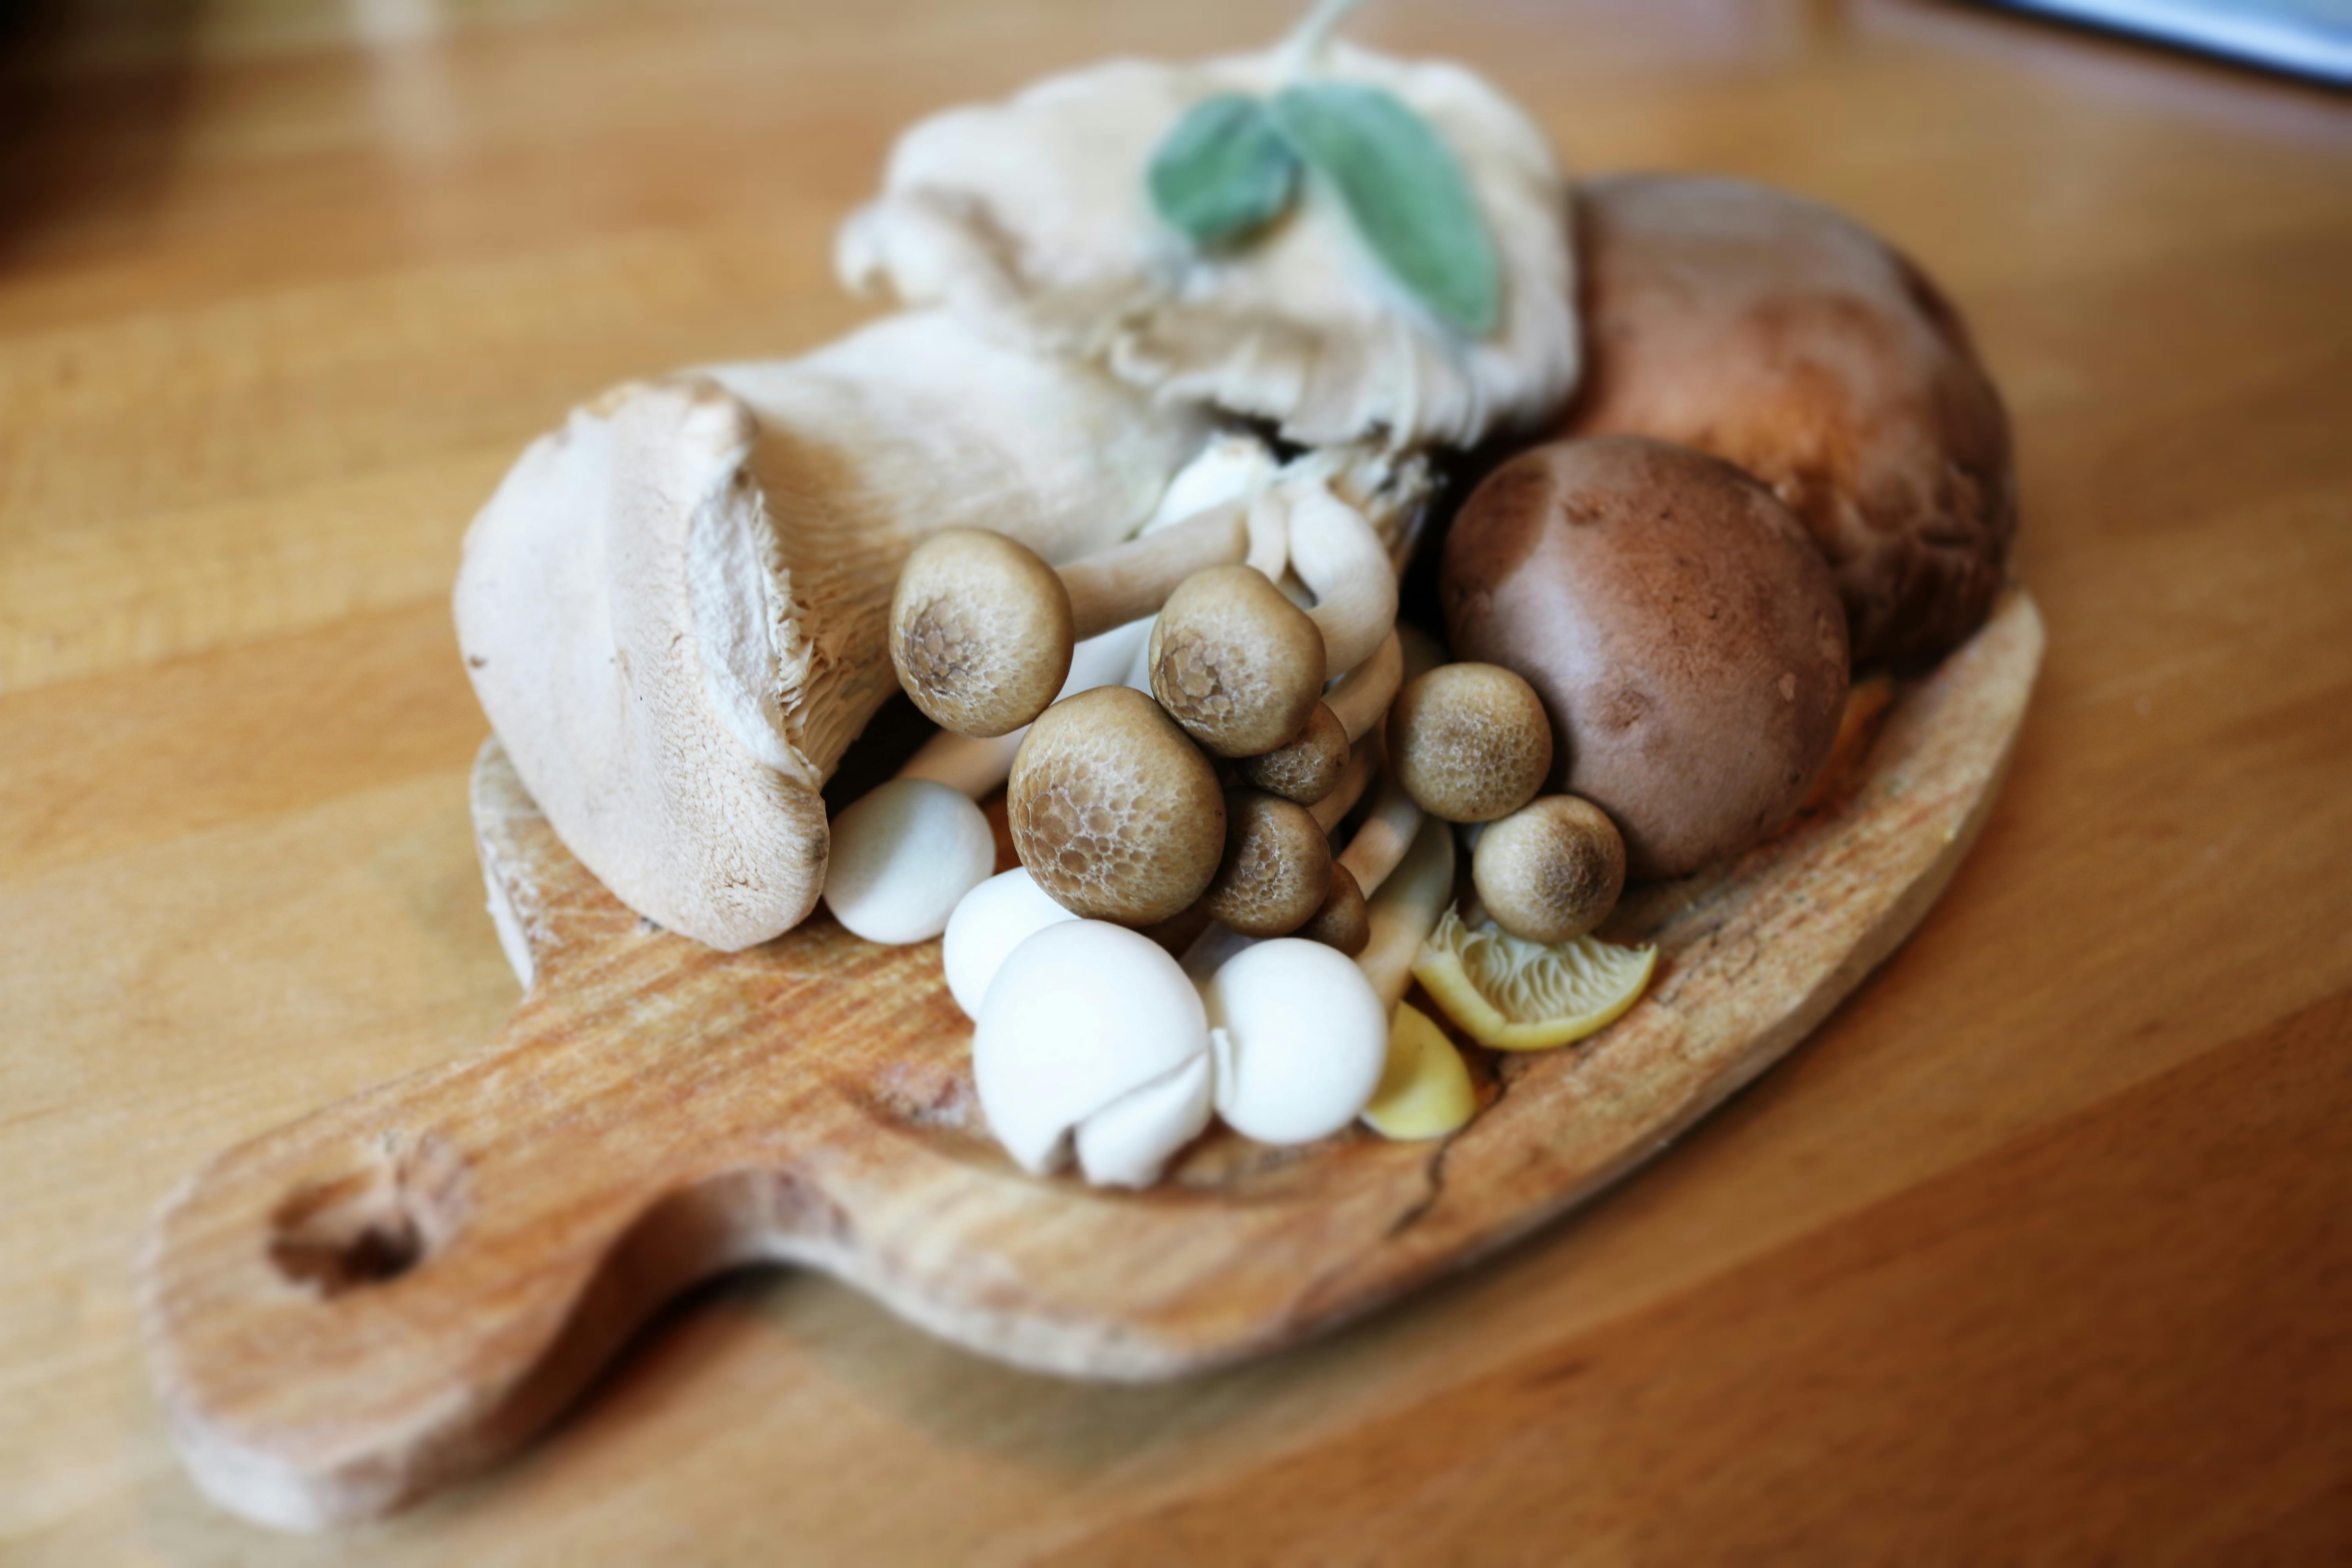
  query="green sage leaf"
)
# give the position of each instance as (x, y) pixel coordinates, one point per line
(1224, 171)
(1405, 193)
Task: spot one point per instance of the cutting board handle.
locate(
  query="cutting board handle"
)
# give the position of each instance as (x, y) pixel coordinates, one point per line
(347, 1311)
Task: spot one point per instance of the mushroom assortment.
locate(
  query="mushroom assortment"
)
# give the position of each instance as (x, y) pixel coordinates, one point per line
(1119, 502)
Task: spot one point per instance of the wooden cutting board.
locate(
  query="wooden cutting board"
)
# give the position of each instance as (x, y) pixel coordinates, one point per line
(390, 1294)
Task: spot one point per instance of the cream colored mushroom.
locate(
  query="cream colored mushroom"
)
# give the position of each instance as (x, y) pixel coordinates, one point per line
(993, 918)
(1114, 811)
(982, 629)
(674, 610)
(1299, 1036)
(1343, 563)
(1405, 909)
(1033, 215)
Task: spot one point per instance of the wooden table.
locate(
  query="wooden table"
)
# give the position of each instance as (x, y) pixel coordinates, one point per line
(2043, 1247)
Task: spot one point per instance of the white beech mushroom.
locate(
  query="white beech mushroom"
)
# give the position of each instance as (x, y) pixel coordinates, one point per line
(674, 610)
(1113, 810)
(1091, 1037)
(993, 920)
(1299, 1036)
(1237, 665)
(982, 629)
(1033, 215)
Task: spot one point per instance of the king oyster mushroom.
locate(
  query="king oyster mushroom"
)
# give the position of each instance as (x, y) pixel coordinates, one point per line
(674, 610)
(1033, 215)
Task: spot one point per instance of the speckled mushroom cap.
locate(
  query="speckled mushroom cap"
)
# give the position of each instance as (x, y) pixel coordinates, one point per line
(1552, 871)
(1680, 628)
(1307, 769)
(1276, 867)
(1117, 815)
(1777, 334)
(1236, 664)
(980, 631)
(1469, 742)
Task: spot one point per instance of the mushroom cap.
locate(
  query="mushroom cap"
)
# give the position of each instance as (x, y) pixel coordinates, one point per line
(1300, 1037)
(980, 631)
(1082, 1018)
(1469, 742)
(1680, 626)
(1309, 768)
(1236, 664)
(904, 856)
(1032, 215)
(993, 918)
(1777, 333)
(1345, 920)
(1116, 814)
(1276, 867)
(1552, 871)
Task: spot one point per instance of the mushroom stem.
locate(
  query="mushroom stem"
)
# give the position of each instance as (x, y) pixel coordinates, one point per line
(1131, 580)
(1384, 836)
(1344, 794)
(1406, 910)
(1343, 562)
(1361, 698)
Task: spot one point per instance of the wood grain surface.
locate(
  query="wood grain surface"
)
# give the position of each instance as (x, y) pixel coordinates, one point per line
(355, 1310)
(2040, 1249)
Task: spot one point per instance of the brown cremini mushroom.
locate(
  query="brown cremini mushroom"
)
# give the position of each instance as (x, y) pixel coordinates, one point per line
(1469, 742)
(1236, 664)
(1276, 866)
(982, 628)
(1777, 333)
(1116, 815)
(1679, 625)
(1552, 871)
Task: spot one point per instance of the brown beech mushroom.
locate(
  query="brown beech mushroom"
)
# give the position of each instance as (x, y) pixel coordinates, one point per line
(1116, 815)
(1236, 664)
(1469, 742)
(1552, 871)
(1777, 333)
(1309, 768)
(1680, 626)
(1306, 769)
(982, 628)
(1276, 869)
(1345, 920)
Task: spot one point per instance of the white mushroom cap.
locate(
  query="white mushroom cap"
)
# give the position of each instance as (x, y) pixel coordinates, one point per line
(1300, 1037)
(1032, 215)
(904, 856)
(1093, 1032)
(993, 920)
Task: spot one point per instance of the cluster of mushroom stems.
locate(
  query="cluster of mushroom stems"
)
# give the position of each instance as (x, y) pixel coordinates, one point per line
(1181, 939)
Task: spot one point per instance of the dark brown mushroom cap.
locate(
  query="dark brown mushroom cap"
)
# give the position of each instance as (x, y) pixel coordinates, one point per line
(1679, 625)
(1236, 663)
(980, 631)
(1276, 866)
(1469, 742)
(1777, 333)
(1345, 920)
(1113, 811)
(1552, 871)
(1307, 769)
